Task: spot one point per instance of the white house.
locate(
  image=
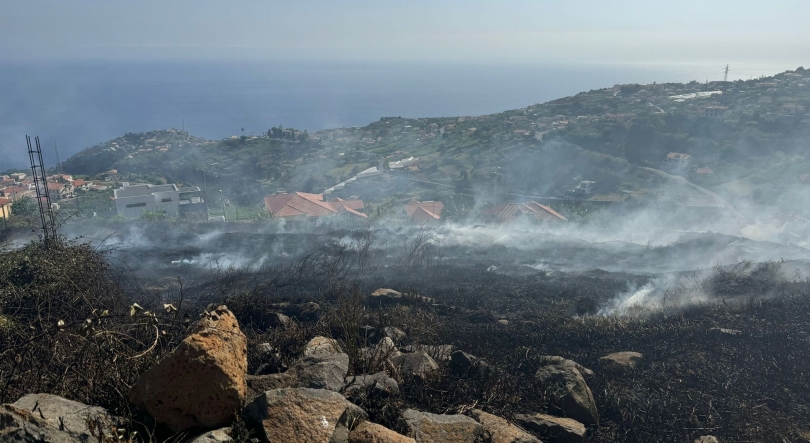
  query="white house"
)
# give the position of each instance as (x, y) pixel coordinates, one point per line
(403, 163)
(133, 201)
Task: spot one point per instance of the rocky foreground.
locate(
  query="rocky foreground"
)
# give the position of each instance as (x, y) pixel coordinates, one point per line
(202, 389)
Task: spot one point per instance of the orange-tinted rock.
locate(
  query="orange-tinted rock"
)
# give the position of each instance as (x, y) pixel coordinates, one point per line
(202, 382)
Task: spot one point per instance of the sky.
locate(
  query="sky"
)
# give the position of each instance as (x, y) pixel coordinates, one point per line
(516, 31)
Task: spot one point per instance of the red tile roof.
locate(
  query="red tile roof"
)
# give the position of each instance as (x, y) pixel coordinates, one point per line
(55, 186)
(4, 201)
(511, 211)
(423, 211)
(78, 182)
(309, 205)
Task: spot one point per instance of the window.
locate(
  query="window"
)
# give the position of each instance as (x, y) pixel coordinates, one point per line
(166, 200)
(136, 205)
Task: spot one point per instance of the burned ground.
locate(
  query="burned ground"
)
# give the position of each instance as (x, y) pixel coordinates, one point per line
(732, 365)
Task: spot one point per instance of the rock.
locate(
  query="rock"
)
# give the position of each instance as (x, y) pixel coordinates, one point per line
(202, 382)
(553, 429)
(55, 419)
(707, 439)
(321, 347)
(304, 415)
(379, 384)
(503, 322)
(437, 352)
(434, 428)
(384, 350)
(309, 372)
(464, 364)
(278, 320)
(418, 364)
(368, 432)
(620, 361)
(726, 331)
(216, 436)
(564, 381)
(498, 430)
(384, 292)
(394, 333)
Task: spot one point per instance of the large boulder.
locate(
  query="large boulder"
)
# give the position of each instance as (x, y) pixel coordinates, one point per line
(620, 361)
(202, 382)
(498, 430)
(425, 427)
(379, 385)
(45, 417)
(368, 432)
(304, 415)
(553, 429)
(416, 364)
(707, 439)
(563, 380)
(325, 372)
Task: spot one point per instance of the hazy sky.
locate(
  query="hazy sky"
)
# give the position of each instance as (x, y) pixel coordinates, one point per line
(517, 31)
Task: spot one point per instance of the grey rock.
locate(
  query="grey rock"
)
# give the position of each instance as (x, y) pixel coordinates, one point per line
(553, 429)
(620, 361)
(499, 430)
(395, 334)
(707, 439)
(309, 372)
(425, 427)
(563, 380)
(321, 347)
(55, 419)
(379, 384)
(464, 364)
(418, 364)
(278, 320)
(216, 436)
(304, 415)
(437, 352)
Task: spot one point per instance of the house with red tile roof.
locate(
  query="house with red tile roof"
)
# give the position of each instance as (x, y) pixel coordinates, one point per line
(15, 192)
(58, 191)
(423, 212)
(302, 205)
(532, 210)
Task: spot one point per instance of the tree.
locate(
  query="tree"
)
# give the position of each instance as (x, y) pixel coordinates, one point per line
(24, 206)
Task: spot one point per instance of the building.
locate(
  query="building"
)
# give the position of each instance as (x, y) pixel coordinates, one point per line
(404, 163)
(710, 111)
(5, 208)
(302, 206)
(15, 192)
(60, 191)
(531, 211)
(677, 163)
(584, 189)
(134, 201)
(423, 212)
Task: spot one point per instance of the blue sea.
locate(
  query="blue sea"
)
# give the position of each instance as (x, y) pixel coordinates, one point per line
(78, 104)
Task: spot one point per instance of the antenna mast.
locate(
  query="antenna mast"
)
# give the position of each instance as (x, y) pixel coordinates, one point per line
(41, 184)
(725, 77)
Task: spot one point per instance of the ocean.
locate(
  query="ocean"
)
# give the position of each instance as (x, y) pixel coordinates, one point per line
(77, 104)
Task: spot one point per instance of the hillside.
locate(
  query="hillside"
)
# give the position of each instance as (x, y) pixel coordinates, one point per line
(738, 133)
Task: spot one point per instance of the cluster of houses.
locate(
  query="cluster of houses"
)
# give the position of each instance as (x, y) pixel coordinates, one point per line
(59, 187)
(302, 206)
